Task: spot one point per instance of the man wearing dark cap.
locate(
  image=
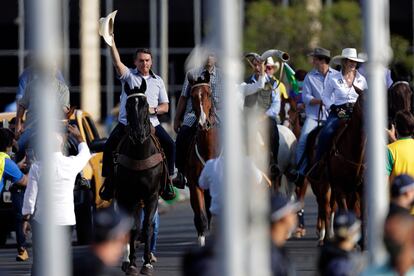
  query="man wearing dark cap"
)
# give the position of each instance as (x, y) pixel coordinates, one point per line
(316, 113)
(402, 194)
(339, 257)
(283, 221)
(110, 235)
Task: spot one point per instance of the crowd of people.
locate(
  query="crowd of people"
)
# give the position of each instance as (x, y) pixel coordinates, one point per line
(325, 95)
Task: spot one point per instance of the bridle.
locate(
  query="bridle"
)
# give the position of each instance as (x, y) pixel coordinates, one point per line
(136, 95)
(208, 124)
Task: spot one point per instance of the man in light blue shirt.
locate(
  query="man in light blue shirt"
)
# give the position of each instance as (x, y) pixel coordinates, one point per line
(158, 102)
(316, 113)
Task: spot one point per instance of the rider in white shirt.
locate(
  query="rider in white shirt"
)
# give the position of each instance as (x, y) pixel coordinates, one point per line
(341, 92)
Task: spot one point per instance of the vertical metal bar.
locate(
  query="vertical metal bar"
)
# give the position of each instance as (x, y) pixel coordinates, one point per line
(164, 42)
(66, 40)
(45, 39)
(90, 58)
(109, 6)
(153, 33)
(21, 22)
(197, 22)
(235, 239)
(376, 192)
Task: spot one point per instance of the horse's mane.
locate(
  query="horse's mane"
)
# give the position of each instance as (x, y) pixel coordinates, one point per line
(139, 126)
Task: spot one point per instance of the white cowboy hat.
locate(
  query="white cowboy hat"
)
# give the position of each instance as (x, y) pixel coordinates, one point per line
(270, 62)
(347, 53)
(106, 27)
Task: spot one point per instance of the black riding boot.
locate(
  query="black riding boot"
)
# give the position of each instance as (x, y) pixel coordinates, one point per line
(274, 148)
(107, 191)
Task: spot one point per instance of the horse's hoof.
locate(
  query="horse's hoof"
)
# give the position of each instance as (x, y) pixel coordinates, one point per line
(201, 241)
(147, 269)
(124, 266)
(132, 270)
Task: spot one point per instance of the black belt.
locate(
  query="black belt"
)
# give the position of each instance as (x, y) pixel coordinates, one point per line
(345, 105)
(343, 111)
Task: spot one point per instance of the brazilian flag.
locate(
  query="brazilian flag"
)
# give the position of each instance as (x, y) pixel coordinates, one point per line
(290, 75)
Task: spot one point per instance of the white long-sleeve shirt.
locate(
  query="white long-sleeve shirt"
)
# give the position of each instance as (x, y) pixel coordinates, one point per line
(338, 92)
(65, 170)
(247, 89)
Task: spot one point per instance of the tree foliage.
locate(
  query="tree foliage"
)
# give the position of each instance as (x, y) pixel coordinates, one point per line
(269, 25)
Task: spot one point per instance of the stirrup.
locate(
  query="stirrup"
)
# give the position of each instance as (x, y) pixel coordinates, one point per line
(179, 181)
(168, 193)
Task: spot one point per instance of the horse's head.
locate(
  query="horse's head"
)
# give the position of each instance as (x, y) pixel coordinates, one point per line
(202, 99)
(137, 113)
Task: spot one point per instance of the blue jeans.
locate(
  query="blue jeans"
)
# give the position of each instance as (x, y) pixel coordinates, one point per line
(168, 146)
(17, 197)
(326, 135)
(156, 225)
(309, 125)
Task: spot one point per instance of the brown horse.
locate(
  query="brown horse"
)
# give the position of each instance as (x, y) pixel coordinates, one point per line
(342, 178)
(293, 117)
(203, 147)
(321, 189)
(346, 161)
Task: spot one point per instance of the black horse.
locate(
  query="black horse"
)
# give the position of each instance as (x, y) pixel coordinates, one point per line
(139, 174)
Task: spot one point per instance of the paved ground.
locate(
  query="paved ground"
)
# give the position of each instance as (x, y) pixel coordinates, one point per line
(177, 235)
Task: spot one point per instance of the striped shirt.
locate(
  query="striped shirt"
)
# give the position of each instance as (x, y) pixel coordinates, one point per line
(216, 84)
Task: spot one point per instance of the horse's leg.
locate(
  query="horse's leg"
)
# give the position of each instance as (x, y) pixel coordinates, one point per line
(134, 234)
(321, 217)
(125, 257)
(147, 226)
(200, 217)
(327, 210)
(300, 193)
(207, 204)
(150, 208)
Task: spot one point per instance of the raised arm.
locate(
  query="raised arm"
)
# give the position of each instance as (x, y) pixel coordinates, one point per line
(120, 68)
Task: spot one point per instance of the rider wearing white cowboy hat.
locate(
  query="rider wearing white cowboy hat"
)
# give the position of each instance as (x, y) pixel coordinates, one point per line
(339, 95)
(271, 68)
